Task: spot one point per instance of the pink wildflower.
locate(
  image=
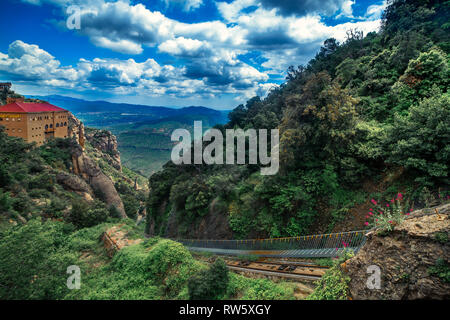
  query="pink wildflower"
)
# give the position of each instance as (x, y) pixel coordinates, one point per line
(387, 204)
(374, 202)
(366, 223)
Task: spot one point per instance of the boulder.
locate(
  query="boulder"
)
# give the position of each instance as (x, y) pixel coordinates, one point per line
(86, 168)
(405, 256)
(74, 183)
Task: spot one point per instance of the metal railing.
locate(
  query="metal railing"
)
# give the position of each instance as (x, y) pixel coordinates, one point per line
(319, 245)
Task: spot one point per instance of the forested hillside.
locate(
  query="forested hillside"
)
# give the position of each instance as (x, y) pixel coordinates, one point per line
(364, 119)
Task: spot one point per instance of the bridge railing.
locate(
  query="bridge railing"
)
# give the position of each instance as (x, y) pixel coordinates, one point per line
(352, 239)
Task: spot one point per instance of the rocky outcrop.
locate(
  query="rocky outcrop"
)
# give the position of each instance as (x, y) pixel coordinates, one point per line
(406, 257)
(116, 238)
(76, 130)
(105, 142)
(88, 169)
(74, 183)
(102, 185)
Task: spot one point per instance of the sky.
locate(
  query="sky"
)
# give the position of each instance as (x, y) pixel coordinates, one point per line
(179, 53)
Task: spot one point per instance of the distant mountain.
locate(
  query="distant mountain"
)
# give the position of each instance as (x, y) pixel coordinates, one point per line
(143, 132)
(103, 113)
(83, 106)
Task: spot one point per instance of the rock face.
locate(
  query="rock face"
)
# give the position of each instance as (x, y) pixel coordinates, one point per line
(115, 239)
(86, 168)
(76, 184)
(106, 142)
(100, 183)
(405, 257)
(213, 225)
(76, 130)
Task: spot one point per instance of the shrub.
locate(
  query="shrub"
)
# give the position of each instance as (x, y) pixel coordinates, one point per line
(42, 181)
(82, 215)
(5, 201)
(334, 283)
(33, 261)
(441, 270)
(209, 284)
(131, 205)
(386, 217)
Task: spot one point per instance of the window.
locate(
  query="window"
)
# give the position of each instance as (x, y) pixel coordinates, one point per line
(57, 125)
(46, 126)
(65, 124)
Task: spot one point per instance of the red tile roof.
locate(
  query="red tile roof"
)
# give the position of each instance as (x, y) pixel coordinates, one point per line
(30, 107)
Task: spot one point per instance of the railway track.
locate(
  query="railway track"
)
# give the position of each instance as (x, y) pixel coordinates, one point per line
(283, 269)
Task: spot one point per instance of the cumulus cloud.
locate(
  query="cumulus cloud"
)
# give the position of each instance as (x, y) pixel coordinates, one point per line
(374, 11)
(185, 47)
(207, 55)
(187, 5)
(32, 63)
(27, 63)
(304, 7)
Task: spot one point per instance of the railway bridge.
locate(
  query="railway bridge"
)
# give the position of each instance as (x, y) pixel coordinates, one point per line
(308, 246)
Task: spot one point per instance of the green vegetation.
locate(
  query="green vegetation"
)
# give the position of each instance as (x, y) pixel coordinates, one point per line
(441, 237)
(334, 283)
(34, 258)
(368, 114)
(441, 270)
(209, 284)
(385, 216)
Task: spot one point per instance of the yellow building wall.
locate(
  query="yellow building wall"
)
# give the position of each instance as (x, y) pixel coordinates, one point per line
(34, 127)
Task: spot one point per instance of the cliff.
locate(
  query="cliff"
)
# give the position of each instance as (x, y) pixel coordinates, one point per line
(413, 259)
(90, 171)
(105, 142)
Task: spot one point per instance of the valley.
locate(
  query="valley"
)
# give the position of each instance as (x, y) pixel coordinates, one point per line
(143, 134)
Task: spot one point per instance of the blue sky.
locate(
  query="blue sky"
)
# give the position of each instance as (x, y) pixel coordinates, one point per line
(168, 52)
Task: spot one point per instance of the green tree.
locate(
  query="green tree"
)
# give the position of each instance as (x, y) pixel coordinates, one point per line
(420, 141)
(209, 284)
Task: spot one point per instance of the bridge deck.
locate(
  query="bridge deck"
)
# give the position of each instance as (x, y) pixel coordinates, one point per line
(304, 253)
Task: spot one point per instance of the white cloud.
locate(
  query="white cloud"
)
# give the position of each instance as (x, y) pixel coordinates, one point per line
(374, 11)
(122, 45)
(184, 47)
(30, 62)
(187, 5)
(207, 54)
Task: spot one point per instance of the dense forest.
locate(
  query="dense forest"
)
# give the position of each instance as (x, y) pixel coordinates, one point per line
(364, 119)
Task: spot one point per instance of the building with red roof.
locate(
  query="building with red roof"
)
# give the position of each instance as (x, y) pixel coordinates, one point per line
(34, 121)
